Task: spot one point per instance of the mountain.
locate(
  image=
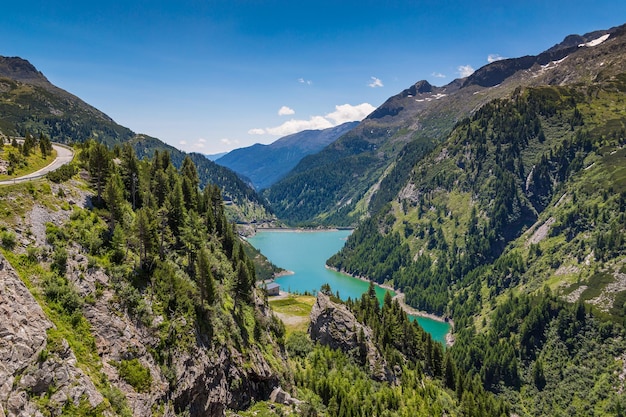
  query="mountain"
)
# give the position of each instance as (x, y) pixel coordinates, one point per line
(501, 206)
(514, 225)
(216, 156)
(263, 165)
(30, 103)
(338, 186)
(125, 310)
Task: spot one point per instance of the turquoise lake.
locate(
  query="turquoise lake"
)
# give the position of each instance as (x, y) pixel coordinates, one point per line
(305, 254)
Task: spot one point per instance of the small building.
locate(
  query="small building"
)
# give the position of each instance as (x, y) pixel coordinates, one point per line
(272, 288)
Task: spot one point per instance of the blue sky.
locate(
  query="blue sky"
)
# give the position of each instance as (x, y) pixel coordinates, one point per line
(210, 76)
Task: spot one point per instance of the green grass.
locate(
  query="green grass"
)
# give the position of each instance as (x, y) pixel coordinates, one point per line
(33, 162)
(294, 311)
(294, 305)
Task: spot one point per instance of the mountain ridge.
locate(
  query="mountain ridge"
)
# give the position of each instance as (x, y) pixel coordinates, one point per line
(30, 103)
(263, 165)
(422, 113)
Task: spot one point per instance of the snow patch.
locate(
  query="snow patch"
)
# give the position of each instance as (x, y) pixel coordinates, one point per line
(431, 98)
(596, 42)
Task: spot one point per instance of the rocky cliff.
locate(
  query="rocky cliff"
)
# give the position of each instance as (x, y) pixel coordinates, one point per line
(29, 365)
(47, 367)
(333, 325)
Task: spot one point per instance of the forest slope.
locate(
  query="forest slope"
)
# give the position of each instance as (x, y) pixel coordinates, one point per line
(516, 227)
(335, 186)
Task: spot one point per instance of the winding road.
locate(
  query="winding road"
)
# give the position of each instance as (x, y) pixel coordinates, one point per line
(64, 156)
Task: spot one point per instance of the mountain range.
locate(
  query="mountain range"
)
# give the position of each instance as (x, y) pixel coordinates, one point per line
(263, 165)
(410, 124)
(497, 201)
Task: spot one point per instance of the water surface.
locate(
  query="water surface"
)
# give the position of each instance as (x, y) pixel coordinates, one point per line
(305, 254)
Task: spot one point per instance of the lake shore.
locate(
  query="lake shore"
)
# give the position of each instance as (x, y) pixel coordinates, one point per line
(400, 297)
(297, 229)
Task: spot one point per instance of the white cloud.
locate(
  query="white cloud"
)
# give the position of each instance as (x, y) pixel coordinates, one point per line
(376, 82)
(438, 75)
(229, 142)
(182, 142)
(303, 81)
(494, 57)
(294, 126)
(342, 114)
(285, 111)
(202, 140)
(465, 70)
(348, 113)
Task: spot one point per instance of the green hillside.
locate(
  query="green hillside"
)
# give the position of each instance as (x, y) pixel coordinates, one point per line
(29, 103)
(526, 196)
(349, 171)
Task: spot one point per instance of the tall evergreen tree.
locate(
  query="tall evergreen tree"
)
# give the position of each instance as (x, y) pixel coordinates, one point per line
(99, 166)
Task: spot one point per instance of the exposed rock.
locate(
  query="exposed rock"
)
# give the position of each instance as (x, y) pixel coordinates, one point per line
(280, 396)
(540, 232)
(206, 379)
(207, 385)
(333, 325)
(24, 368)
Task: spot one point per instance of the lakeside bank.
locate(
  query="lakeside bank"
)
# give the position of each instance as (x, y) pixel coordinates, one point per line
(400, 297)
(305, 251)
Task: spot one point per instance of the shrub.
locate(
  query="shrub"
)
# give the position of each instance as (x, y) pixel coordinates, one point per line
(299, 344)
(63, 173)
(8, 239)
(135, 374)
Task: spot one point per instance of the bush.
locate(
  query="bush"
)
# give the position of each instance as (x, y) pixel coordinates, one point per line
(58, 290)
(63, 173)
(135, 374)
(59, 260)
(8, 239)
(299, 344)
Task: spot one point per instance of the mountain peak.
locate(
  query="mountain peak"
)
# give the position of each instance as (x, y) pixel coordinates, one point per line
(420, 87)
(22, 70)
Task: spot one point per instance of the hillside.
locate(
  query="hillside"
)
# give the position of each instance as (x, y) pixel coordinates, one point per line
(338, 185)
(263, 165)
(30, 103)
(514, 226)
(117, 305)
(498, 201)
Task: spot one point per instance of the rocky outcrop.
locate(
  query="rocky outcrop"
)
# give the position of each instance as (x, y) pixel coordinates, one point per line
(28, 366)
(40, 373)
(208, 382)
(208, 379)
(333, 325)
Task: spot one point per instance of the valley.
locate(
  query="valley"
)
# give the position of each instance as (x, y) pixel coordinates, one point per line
(131, 283)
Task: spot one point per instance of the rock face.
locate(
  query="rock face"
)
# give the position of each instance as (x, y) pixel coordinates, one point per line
(333, 325)
(28, 366)
(40, 374)
(209, 379)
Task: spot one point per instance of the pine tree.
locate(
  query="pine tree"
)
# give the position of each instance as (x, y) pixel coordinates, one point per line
(129, 170)
(204, 277)
(99, 166)
(114, 197)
